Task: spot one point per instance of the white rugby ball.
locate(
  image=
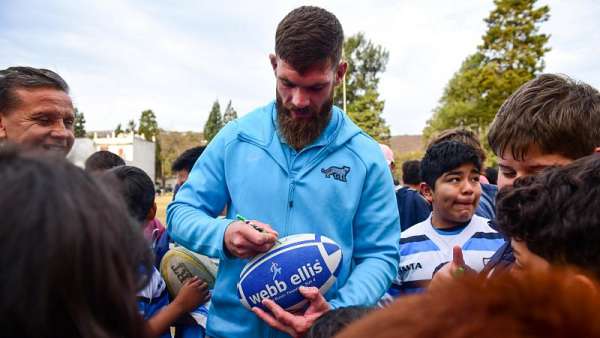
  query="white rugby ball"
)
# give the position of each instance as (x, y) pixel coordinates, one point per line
(298, 260)
(179, 264)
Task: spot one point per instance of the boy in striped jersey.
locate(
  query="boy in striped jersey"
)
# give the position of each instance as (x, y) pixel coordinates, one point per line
(450, 173)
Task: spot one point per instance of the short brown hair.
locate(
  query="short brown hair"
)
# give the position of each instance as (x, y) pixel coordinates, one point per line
(309, 35)
(549, 304)
(554, 112)
(26, 77)
(461, 135)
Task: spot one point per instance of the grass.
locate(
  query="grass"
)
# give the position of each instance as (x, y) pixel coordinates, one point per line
(161, 206)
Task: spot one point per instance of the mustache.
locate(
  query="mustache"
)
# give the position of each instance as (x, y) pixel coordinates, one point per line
(305, 110)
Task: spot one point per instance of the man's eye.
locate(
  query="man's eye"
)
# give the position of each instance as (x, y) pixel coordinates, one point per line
(43, 120)
(316, 89)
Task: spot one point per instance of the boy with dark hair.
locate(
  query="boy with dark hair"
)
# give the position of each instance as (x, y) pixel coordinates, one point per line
(137, 191)
(450, 172)
(485, 208)
(549, 219)
(103, 160)
(411, 176)
(182, 166)
(412, 206)
(336, 320)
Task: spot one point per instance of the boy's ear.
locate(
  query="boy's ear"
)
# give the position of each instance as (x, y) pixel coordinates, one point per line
(151, 212)
(426, 191)
(582, 281)
(597, 150)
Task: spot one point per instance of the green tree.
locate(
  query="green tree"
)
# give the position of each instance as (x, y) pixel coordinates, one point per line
(118, 130)
(131, 127)
(366, 61)
(230, 114)
(214, 122)
(148, 127)
(511, 54)
(79, 124)
(172, 144)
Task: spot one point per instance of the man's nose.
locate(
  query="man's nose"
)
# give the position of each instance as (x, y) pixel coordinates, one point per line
(300, 98)
(59, 130)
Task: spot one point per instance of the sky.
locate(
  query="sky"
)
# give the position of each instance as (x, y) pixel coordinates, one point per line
(177, 57)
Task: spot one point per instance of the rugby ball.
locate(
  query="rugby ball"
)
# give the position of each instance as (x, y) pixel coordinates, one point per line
(179, 264)
(297, 260)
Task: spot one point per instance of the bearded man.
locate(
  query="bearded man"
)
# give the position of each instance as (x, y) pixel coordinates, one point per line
(296, 165)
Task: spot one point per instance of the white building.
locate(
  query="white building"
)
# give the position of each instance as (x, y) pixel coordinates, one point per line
(134, 149)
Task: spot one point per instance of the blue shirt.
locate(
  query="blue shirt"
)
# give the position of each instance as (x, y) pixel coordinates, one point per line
(339, 186)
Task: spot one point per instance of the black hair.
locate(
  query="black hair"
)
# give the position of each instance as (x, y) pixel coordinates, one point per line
(71, 260)
(492, 175)
(445, 156)
(554, 213)
(186, 160)
(334, 321)
(411, 172)
(26, 77)
(136, 188)
(103, 160)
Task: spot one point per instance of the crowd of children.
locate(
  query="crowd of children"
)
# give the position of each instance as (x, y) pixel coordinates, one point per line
(482, 253)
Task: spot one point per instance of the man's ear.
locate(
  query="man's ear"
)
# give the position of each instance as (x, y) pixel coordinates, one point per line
(340, 72)
(151, 212)
(426, 191)
(597, 150)
(273, 59)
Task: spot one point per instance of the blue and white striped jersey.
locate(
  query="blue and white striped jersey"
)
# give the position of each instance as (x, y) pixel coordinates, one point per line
(153, 298)
(423, 250)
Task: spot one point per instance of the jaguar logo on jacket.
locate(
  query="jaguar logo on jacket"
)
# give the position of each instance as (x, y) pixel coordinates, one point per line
(337, 172)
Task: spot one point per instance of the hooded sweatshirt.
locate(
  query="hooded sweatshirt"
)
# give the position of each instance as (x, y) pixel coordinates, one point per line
(339, 186)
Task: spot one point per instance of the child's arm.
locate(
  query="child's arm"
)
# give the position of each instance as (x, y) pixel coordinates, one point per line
(192, 294)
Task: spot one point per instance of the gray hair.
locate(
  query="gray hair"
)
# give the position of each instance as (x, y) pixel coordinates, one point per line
(26, 77)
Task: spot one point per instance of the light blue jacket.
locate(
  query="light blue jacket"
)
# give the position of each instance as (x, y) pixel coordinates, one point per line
(247, 168)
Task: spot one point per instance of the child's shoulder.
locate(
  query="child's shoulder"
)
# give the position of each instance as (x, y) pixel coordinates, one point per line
(155, 288)
(419, 229)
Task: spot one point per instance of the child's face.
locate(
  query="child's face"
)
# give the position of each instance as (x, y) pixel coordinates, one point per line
(534, 161)
(525, 260)
(455, 196)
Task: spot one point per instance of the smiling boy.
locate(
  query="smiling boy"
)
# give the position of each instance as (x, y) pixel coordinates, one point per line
(450, 171)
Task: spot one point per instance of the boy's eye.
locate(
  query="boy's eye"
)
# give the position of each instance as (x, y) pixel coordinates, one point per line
(453, 179)
(508, 173)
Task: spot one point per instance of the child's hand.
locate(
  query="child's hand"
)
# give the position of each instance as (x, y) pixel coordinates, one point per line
(453, 269)
(192, 294)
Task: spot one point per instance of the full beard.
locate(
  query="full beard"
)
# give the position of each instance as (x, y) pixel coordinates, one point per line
(300, 132)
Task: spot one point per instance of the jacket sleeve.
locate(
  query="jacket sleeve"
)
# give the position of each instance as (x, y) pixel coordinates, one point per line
(192, 217)
(376, 242)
